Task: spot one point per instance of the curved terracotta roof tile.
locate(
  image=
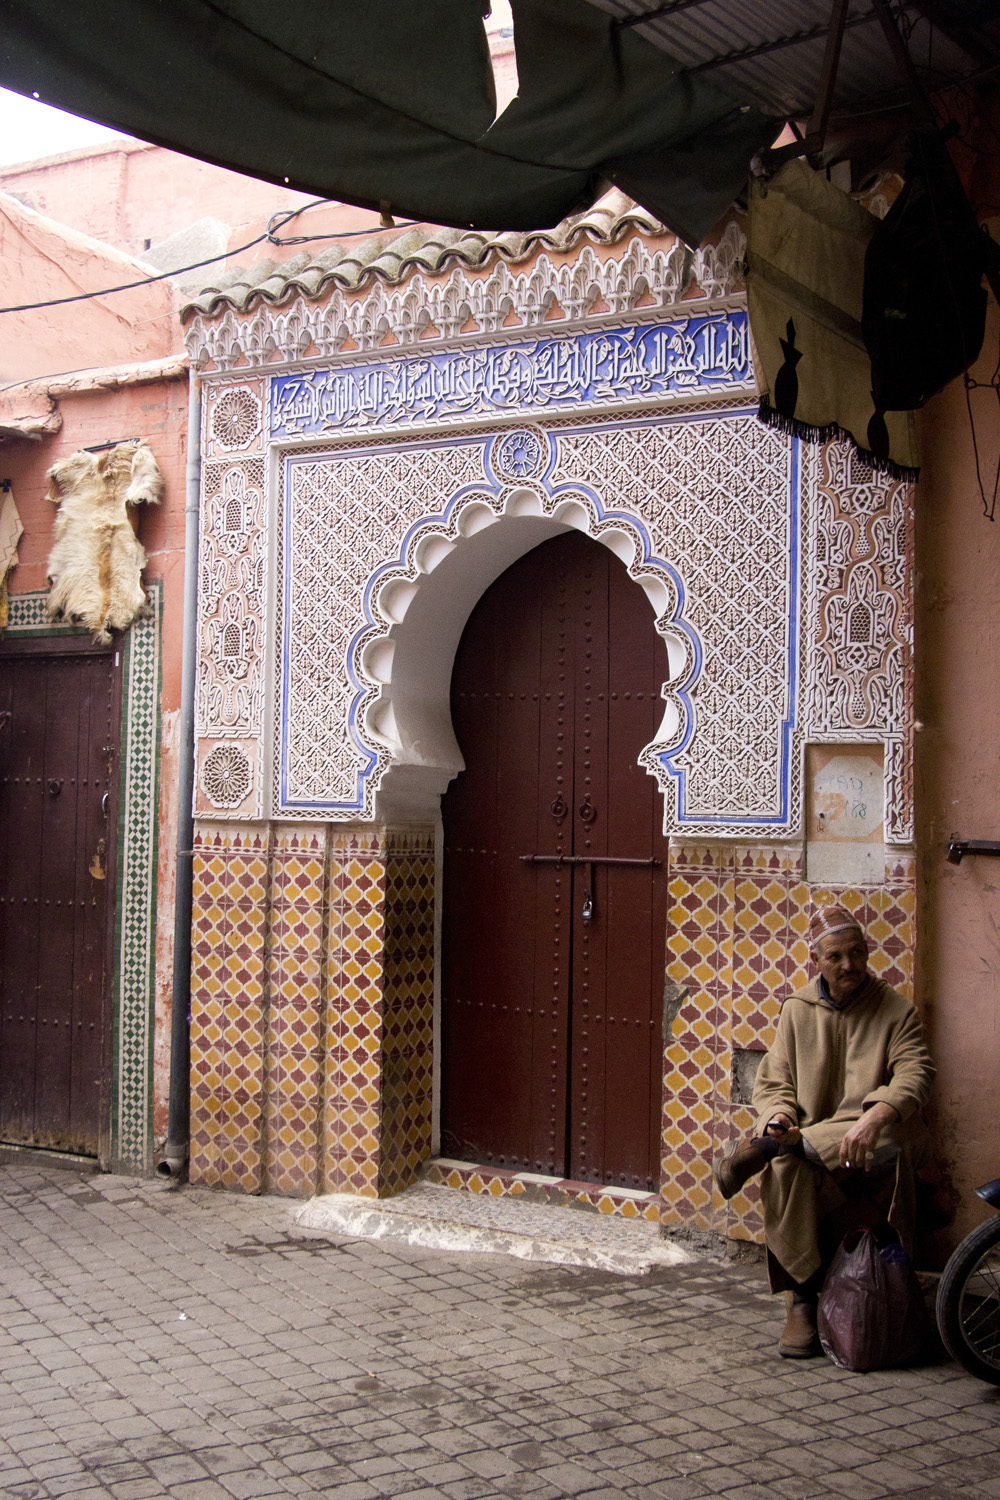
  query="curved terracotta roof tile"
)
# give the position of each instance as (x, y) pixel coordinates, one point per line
(351, 267)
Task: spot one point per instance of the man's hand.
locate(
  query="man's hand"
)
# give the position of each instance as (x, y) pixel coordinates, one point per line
(783, 1130)
(858, 1145)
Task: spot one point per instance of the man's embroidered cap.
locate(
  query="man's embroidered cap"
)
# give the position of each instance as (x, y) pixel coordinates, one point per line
(828, 919)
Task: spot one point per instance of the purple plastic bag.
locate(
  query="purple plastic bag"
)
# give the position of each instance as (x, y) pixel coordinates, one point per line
(871, 1313)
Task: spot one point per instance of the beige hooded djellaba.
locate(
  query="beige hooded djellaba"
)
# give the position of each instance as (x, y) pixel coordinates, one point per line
(826, 1067)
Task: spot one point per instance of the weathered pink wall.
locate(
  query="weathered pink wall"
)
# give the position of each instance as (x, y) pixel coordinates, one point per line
(958, 777)
(127, 193)
(157, 412)
(44, 261)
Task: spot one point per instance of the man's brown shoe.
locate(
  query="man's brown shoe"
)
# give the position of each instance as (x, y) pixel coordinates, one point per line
(799, 1340)
(734, 1170)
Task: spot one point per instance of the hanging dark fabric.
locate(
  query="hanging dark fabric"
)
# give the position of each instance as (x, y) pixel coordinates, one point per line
(924, 306)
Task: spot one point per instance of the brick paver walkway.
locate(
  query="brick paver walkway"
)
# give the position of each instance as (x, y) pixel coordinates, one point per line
(158, 1342)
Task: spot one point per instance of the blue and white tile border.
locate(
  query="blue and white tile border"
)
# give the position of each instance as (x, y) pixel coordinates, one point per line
(703, 354)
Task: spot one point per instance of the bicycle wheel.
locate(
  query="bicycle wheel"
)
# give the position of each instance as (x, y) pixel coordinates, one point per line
(968, 1303)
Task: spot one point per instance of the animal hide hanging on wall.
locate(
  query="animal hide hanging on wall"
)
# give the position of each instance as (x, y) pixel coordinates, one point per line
(11, 531)
(97, 559)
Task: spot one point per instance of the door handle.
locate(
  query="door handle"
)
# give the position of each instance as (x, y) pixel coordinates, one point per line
(104, 804)
(587, 810)
(587, 914)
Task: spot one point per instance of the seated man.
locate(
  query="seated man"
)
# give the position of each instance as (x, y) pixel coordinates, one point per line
(838, 1099)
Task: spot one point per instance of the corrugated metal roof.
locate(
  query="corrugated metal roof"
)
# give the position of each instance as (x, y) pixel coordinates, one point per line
(390, 260)
(770, 52)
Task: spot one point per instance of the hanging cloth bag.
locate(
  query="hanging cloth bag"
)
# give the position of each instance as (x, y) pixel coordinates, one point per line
(924, 305)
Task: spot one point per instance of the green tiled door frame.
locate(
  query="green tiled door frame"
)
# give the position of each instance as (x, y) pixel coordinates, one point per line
(135, 907)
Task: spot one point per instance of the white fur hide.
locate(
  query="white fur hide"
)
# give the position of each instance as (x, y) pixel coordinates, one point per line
(96, 559)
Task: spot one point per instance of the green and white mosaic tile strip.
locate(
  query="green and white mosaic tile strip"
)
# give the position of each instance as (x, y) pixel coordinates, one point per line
(131, 1118)
(27, 617)
(135, 916)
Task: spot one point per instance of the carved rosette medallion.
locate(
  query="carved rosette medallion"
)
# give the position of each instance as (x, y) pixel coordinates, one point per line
(226, 776)
(522, 454)
(236, 418)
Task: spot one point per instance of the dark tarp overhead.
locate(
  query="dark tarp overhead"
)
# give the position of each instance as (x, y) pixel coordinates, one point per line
(391, 102)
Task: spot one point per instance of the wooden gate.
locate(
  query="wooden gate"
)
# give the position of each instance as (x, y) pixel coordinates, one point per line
(555, 876)
(59, 715)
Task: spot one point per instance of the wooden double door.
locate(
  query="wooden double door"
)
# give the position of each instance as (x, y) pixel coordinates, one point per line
(59, 715)
(554, 923)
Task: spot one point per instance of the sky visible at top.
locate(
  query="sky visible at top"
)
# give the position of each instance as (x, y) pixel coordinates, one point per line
(29, 129)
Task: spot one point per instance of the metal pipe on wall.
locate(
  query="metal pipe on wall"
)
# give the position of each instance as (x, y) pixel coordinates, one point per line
(174, 1156)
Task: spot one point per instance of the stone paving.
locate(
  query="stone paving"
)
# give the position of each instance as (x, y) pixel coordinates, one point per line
(157, 1341)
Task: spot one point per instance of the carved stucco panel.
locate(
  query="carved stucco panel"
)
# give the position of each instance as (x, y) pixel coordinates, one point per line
(711, 498)
(230, 682)
(718, 495)
(342, 518)
(232, 419)
(859, 617)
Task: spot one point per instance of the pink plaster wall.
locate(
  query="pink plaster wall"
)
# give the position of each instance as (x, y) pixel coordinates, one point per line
(158, 412)
(957, 705)
(127, 193)
(958, 777)
(44, 261)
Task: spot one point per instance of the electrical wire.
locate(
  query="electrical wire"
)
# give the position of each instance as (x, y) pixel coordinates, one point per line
(284, 216)
(993, 384)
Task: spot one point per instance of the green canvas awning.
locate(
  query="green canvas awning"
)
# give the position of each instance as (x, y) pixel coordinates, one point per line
(390, 103)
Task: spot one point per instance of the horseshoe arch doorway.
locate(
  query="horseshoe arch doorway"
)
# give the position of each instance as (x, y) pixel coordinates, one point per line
(555, 876)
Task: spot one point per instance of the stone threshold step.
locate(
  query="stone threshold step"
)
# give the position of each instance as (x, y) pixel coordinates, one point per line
(435, 1217)
(534, 1187)
(11, 1155)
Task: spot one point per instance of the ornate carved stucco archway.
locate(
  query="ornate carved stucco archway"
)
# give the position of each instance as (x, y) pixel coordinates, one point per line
(386, 546)
(416, 605)
(358, 497)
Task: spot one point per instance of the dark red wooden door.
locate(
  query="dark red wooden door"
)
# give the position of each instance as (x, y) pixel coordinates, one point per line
(552, 981)
(58, 713)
